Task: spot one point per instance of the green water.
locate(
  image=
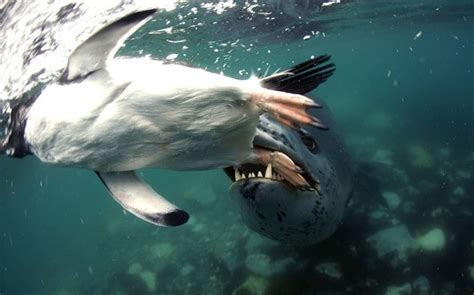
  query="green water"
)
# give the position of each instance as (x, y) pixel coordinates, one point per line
(405, 106)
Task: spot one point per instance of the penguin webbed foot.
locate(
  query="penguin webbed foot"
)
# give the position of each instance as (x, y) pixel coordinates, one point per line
(288, 108)
(282, 164)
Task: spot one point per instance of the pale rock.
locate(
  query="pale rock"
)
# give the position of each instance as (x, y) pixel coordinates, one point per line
(464, 174)
(252, 285)
(187, 269)
(392, 199)
(433, 240)
(378, 216)
(440, 211)
(161, 250)
(459, 191)
(134, 268)
(420, 157)
(396, 240)
(421, 285)
(264, 266)
(330, 269)
(149, 279)
(383, 156)
(405, 289)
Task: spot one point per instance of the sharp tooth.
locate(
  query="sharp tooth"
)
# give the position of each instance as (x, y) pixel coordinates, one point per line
(259, 174)
(237, 175)
(279, 177)
(243, 176)
(252, 175)
(274, 176)
(268, 171)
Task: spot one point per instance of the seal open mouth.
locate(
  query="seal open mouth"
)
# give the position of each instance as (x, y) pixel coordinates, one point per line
(274, 166)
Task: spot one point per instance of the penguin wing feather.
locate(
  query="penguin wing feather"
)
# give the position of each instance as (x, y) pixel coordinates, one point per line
(138, 198)
(92, 55)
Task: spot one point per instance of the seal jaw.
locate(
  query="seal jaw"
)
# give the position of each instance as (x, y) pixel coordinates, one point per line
(259, 171)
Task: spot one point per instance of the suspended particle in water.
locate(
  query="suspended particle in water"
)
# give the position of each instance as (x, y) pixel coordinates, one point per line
(176, 41)
(307, 37)
(418, 35)
(172, 56)
(389, 73)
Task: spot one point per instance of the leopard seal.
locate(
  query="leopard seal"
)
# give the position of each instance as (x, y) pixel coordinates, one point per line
(268, 203)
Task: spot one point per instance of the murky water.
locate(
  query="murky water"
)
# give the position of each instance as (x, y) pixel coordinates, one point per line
(402, 97)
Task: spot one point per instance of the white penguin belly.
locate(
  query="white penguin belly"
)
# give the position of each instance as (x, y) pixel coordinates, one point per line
(141, 113)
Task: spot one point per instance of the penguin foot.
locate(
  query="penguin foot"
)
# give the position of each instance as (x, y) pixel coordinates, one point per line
(289, 109)
(282, 164)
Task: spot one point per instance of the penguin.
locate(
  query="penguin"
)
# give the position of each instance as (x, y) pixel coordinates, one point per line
(114, 115)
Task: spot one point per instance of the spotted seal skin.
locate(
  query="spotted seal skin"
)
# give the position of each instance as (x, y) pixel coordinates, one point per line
(273, 207)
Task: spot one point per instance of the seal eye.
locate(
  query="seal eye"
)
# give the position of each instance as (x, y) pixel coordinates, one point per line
(310, 143)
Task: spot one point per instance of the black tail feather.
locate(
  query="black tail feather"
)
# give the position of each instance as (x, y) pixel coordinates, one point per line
(301, 78)
(309, 64)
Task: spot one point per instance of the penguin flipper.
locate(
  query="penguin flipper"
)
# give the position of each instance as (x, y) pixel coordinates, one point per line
(93, 54)
(138, 198)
